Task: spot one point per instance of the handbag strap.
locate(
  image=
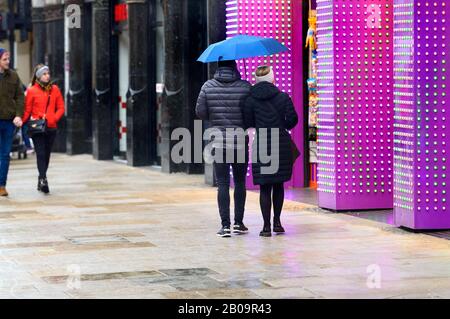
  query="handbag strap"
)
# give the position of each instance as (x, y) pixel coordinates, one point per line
(48, 103)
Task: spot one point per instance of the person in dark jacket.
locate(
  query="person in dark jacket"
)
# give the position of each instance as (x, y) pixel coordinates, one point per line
(11, 111)
(266, 109)
(221, 103)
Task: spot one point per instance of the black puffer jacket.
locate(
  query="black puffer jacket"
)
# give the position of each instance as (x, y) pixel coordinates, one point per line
(221, 100)
(269, 108)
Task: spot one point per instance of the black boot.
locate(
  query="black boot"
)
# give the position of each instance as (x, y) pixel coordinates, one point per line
(277, 228)
(266, 232)
(43, 185)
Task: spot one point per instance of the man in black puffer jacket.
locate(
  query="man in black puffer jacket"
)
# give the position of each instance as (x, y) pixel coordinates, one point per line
(221, 103)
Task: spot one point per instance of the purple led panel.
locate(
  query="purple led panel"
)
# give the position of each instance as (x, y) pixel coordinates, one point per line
(281, 20)
(355, 79)
(421, 105)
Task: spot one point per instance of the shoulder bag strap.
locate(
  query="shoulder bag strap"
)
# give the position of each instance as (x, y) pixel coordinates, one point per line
(48, 103)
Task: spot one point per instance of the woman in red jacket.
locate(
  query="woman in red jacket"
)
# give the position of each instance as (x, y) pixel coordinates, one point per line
(43, 101)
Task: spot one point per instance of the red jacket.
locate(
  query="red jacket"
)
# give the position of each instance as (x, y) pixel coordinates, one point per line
(36, 102)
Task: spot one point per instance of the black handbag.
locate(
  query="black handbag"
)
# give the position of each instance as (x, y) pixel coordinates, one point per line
(39, 126)
(295, 151)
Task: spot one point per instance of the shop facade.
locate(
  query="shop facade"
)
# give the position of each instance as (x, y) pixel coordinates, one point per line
(134, 82)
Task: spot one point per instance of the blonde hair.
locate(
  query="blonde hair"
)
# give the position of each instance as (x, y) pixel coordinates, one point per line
(34, 78)
(262, 70)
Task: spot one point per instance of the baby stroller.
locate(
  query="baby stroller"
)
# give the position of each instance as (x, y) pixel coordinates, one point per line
(18, 145)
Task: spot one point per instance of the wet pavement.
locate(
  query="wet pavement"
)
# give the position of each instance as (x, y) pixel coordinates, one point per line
(112, 231)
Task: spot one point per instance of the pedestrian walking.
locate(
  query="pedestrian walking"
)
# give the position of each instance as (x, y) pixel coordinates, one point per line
(11, 111)
(221, 103)
(265, 109)
(44, 107)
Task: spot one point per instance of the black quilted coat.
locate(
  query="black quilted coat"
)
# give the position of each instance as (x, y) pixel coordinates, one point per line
(221, 101)
(267, 107)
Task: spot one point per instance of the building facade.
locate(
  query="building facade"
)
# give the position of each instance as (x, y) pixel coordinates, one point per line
(15, 35)
(48, 47)
(129, 72)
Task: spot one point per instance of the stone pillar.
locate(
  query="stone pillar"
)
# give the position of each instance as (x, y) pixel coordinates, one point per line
(216, 32)
(103, 127)
(196, 73)
(76, 105)
(54, 58)
(138, 106)
(39, 39)
(172, 98)
(88, 75)
(217, 27)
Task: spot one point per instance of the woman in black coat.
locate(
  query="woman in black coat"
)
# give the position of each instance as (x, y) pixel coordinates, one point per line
(272, 113)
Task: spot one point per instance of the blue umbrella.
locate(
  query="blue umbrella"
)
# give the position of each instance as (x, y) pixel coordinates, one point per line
(241, 47)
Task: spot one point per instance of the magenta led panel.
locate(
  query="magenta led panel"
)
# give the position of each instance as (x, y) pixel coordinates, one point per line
(266, 18)
(281, 20)
(355, 79)
(421, 104)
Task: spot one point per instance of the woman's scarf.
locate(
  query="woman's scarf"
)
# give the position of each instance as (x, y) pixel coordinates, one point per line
(45, 86)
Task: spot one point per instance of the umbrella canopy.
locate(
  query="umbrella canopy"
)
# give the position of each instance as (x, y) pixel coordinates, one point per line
(241, 47)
